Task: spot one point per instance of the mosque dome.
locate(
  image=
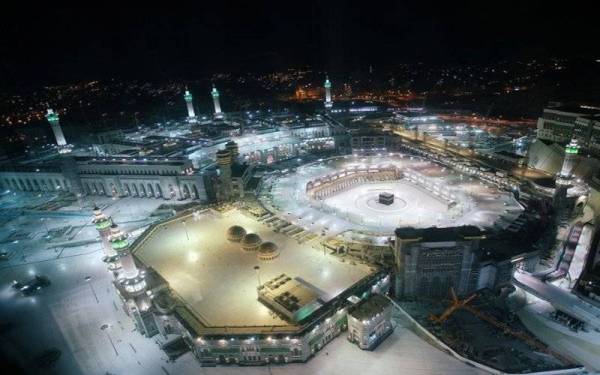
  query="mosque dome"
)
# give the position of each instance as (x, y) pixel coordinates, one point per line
(235, 233)
(251, 241)
(267, 251)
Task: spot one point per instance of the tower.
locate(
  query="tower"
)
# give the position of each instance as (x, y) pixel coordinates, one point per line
(68, 163)
(564, 181)
(224, 163)
(53, 119)
(328, 102)
(571, 152)
(103, 224)
(190, 106)
(233, 149)
(215, 95)
(130, 277)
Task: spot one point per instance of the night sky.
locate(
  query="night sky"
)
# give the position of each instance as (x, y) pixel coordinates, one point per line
(60, 45)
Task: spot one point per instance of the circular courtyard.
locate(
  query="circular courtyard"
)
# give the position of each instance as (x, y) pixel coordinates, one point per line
(343, 193)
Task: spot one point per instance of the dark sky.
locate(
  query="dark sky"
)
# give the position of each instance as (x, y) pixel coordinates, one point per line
(60, 45)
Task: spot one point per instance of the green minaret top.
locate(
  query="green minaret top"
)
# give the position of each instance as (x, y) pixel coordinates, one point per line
(214, 92)
(187, 96)
(118, 238)
(572, 147)
(327, 83)
(101, 221)
(51, 116)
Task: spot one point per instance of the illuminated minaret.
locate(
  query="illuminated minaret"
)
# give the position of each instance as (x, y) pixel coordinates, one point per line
(53, 119)
(233, 149)
(224, 163)
(130, 277)
(571, 152)
(190, 106)
(328, 102)
(215, 95)
(103, 224)
(564, 181)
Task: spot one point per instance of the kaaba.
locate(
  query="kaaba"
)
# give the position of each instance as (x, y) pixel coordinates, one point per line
(386, 198)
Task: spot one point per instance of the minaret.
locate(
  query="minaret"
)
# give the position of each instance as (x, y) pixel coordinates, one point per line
(564, 181)
(190, 106)
(328, 102)
(68, 163)
(224, 163)
(233, 149)
(103, 224)
(53, 119)
(215, 95)
(130, 277)
(571, 152)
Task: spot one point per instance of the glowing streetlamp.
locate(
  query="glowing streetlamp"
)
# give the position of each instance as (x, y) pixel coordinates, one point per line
(257, 269)
(88, 279)
(185, 228)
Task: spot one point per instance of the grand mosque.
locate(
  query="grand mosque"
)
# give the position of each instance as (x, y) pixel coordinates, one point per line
(298, 228)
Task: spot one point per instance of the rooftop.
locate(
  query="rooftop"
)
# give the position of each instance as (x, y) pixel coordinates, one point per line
(366, 308)
(217, 280)
(435, 234)
(574, 109)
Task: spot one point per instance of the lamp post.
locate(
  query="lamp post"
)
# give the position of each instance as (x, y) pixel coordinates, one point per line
(88, 280)
(257, 269)
(43, 220)
(186, 232)
(104, 327)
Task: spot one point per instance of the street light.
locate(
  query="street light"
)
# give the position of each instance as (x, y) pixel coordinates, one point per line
(88, 279)
(43, 220)
(104, 327)
(257, 269)
(186, 232)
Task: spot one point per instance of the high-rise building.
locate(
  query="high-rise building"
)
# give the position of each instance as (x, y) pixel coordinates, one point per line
(54, 121)
(328, 102)
(215, 95)
(190, 106)
(431, 260)
(563, 123)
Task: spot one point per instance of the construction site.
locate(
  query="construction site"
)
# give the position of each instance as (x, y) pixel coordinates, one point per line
(482, 328)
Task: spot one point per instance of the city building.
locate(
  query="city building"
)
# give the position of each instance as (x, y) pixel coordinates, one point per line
(373, 142)
(432, 260)
(564, 123)
(308, 310)
(370, 322)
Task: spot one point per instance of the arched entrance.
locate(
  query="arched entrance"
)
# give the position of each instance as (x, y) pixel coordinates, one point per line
(150, 190)
(186, 192)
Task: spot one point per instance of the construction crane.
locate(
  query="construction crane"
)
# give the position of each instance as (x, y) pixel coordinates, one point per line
(463, 304)
(456, 304)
